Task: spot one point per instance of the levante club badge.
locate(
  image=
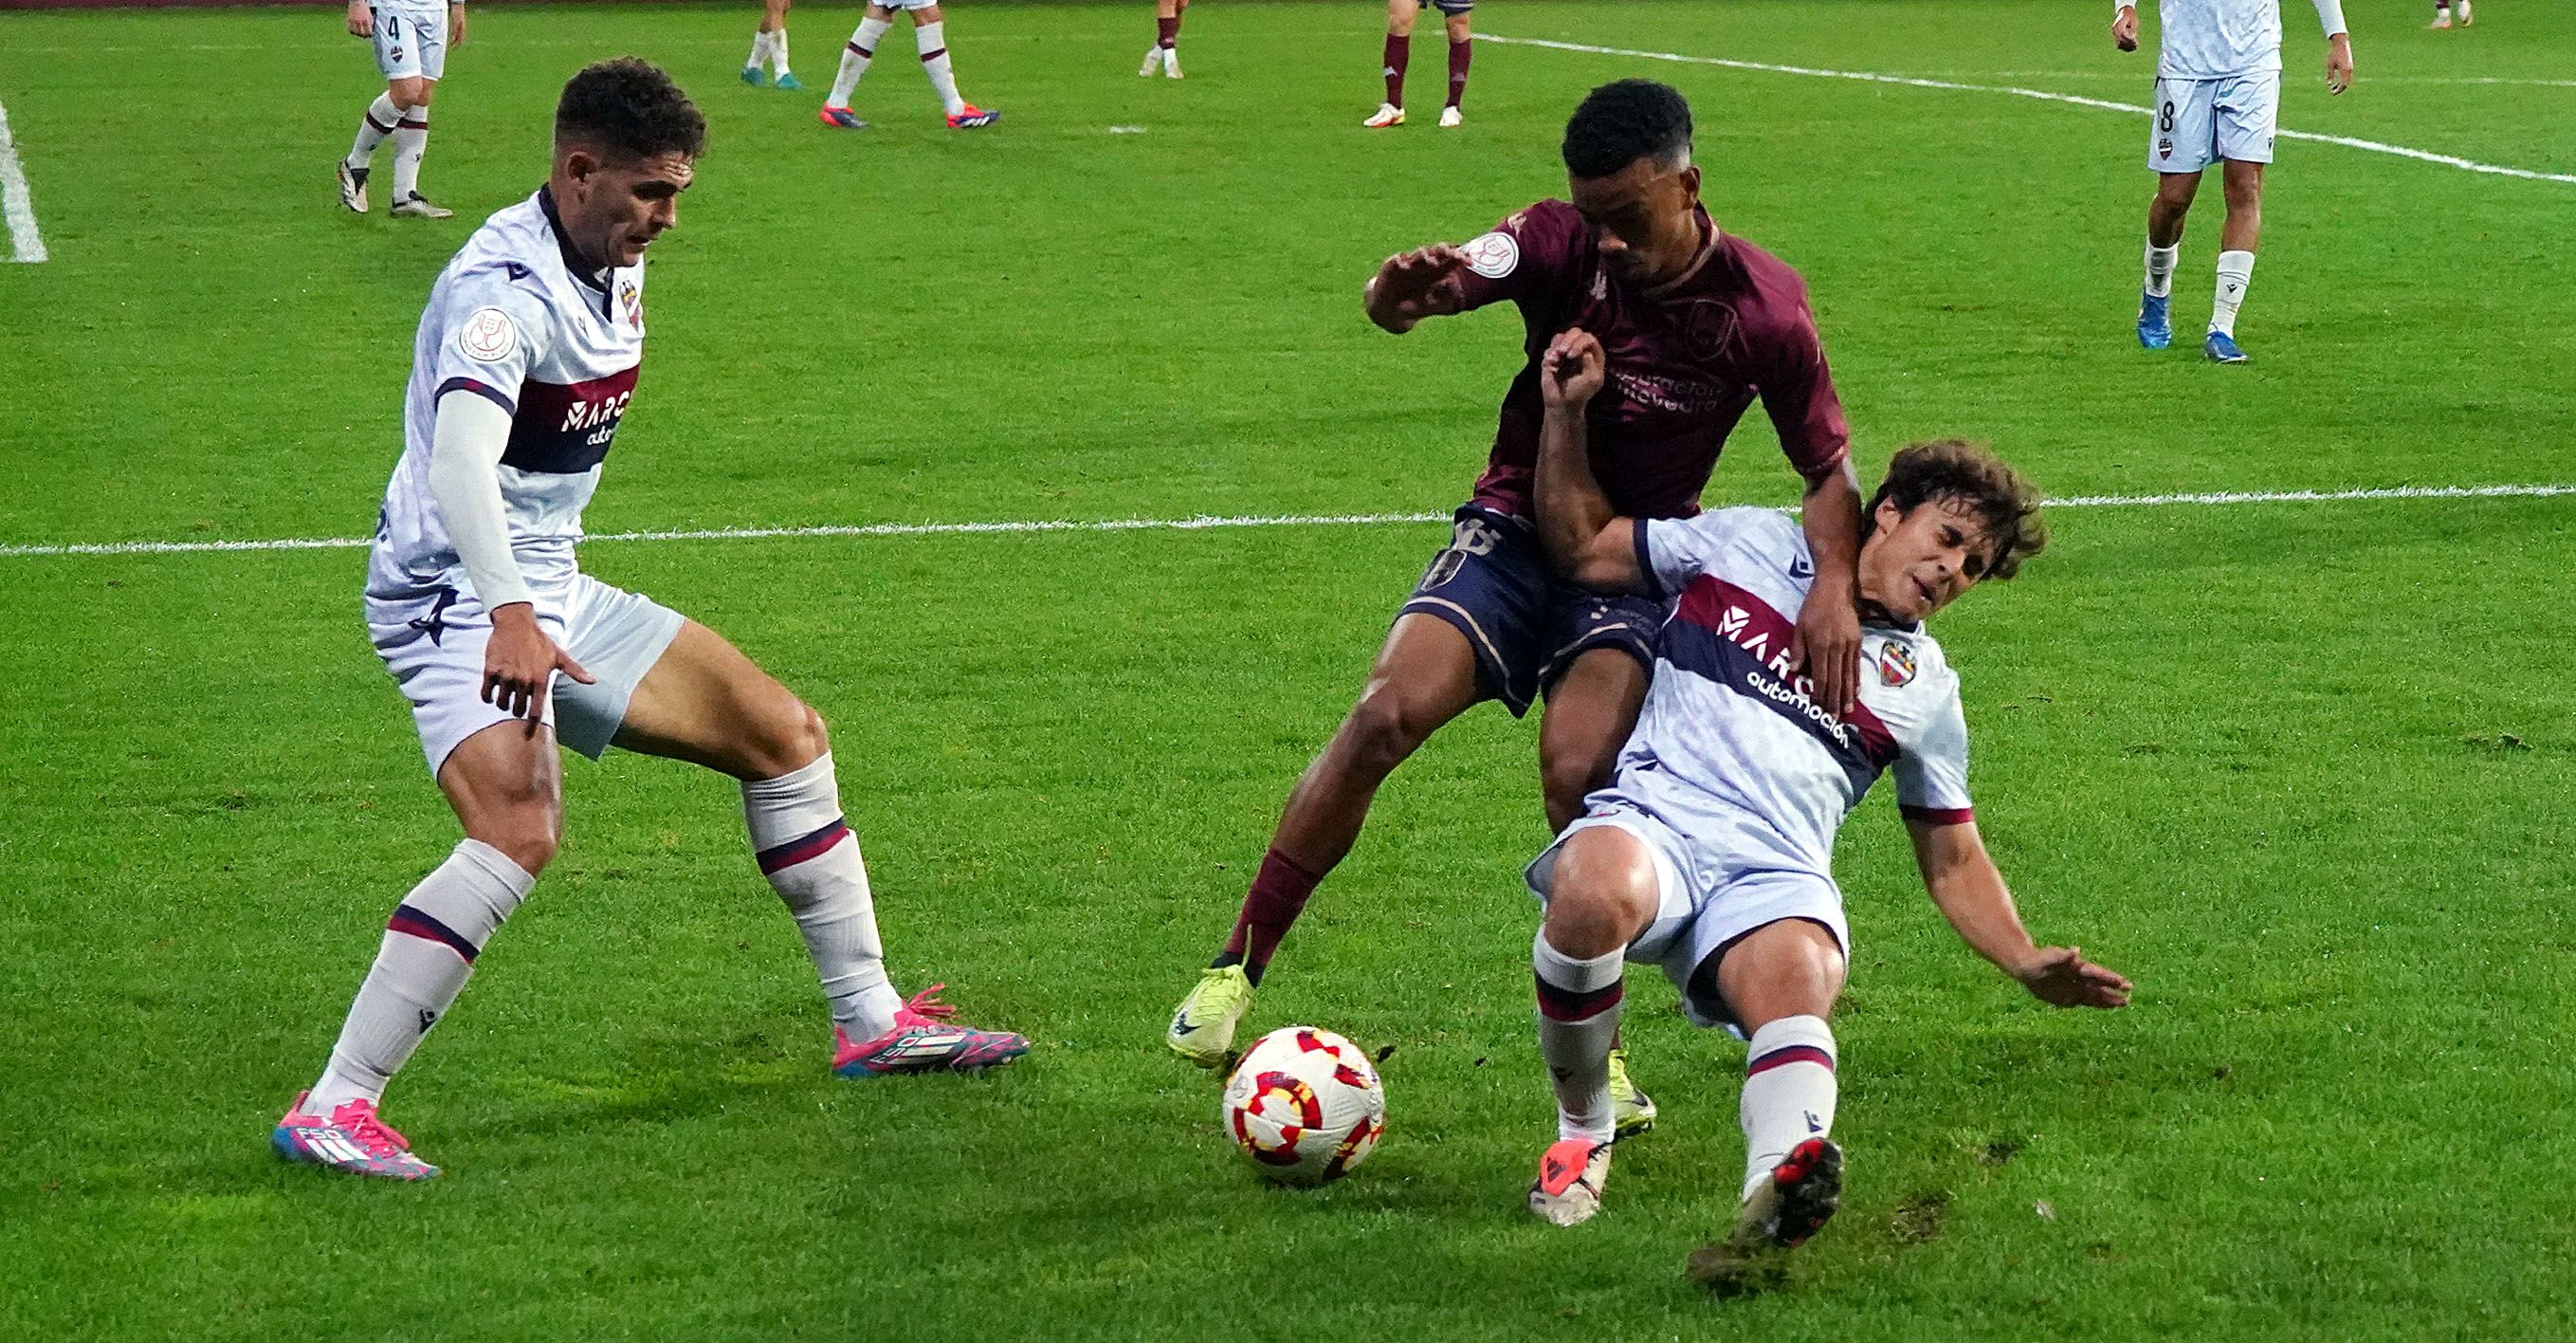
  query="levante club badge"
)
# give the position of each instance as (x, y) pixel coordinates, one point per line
(1895, 664)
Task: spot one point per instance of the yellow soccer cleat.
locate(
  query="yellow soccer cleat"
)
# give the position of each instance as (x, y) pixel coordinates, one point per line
(1632, 1110)
(1202, 1031)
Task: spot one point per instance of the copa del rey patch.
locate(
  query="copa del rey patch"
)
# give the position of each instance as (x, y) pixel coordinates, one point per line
(487, 335)
(1494, 255)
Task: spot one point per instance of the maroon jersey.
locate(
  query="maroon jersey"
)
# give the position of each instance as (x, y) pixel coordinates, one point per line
(1685, 359)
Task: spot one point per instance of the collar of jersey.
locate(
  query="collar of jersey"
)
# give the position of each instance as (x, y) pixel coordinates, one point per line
(1708, 238)
(573, 263)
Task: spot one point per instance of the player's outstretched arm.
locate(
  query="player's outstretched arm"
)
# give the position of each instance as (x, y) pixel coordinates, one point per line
(2124, 27)
(1827, 639)
(2338, 45)
(1970, 892)
(1425, 282)
(519, 662)
(1586, 539)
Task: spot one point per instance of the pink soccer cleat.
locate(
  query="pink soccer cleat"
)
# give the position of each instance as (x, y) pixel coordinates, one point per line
(351, 1139)
(840, 118)
(973, 117)
(922, 1041)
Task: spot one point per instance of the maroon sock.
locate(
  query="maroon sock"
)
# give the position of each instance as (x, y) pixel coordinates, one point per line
(1397, 48)
(1461, 55)
(1277, 896)
(1167, 30)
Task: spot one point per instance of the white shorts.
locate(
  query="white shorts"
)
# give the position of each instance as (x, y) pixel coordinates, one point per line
(2200, 121)
(433, 645)
(411, 43)
(1705, 903)
(905, 4)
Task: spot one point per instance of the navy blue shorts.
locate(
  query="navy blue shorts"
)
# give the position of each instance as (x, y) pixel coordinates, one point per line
(1492, 582)
(1453, 8)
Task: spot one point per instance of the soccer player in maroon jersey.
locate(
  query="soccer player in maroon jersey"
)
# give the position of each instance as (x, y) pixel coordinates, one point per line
(1697, 323)
(1456, 17)
(1164, 57)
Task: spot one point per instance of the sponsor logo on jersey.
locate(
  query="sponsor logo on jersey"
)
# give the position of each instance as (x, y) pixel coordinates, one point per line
(564, 428)
(1895, 664)
(1728, 635)
(487, 335)
(1494, 255)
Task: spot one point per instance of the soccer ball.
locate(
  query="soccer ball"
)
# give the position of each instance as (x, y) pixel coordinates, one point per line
(1305, 1105)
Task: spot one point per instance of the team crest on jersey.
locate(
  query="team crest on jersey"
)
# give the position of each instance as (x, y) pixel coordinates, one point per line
(1494, 255)
(633, 298)
(488, 336)
(1707, 327)
(1895, 664)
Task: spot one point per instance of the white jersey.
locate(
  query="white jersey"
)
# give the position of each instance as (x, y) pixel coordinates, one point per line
(1729, 748)
(517, 319)
(2217, 39)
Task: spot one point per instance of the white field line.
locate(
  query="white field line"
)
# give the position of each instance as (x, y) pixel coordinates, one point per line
(2041, 95)
(2147, 73)
(1209, 523)
(17, 208)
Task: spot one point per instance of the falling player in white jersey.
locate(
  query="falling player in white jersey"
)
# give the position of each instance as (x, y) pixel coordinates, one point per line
(521, 372)
(1710, 853)
(769, 46)
(930, 37)
(2218, 100)
(411, 39)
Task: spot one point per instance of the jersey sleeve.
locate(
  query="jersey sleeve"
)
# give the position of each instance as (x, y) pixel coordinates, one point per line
(492, 335)
(1932, 771)
(1525, 257)
(1798, 394)
(1673, 551)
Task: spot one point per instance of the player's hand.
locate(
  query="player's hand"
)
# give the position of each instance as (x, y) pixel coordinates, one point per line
(519, 665)
(1827, 643)
(2338, 63)
(1572, 370)
(2124, 30)
(362, 20)
(455, 25)
(1425, 282)
(2061, 976)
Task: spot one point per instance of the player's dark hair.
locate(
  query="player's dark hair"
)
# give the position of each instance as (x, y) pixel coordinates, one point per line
(1622, 122)
(1957, 471)
(628, 106)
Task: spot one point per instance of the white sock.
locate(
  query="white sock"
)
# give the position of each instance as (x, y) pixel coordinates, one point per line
(2160, 269)
(1788, 1091)
(813, 860)
(931, 39)
(778, 52)
(759, 51)
(1579, 1002)
(427, 955)
(2235, 272)
(411, 140)
(372, 130)
(855, 58)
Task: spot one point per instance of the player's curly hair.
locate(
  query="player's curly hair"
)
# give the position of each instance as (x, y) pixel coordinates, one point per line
(1622, 122)
(1958, 471)
(629, 106)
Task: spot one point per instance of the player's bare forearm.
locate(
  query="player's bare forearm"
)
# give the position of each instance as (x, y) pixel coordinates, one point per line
(1828, 632)
(1970, 893)
(1586, 539)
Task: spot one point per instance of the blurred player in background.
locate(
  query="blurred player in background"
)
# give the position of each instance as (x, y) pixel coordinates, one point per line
(769, 45)
(411, 39)
(1711, 854)
(1165, 55)
(930, 36)
(2218, 100)
(1399, 48)
(522, 371)
(1698, 322)
(2442, 14)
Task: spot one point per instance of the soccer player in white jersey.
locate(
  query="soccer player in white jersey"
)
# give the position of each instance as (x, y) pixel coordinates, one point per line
(522, 370)
(2218, 100)
(1710, 853)
(411, 39)
(930, 37)
(769, 46)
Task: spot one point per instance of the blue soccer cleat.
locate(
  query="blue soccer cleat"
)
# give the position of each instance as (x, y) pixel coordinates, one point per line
(842, 118)
(2221, 349)
(2155, 322)
(751, 75)
(790, 83)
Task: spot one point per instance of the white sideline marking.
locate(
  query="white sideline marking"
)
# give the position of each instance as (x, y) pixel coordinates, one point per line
(16, 207)
(2145, 73)
(1208, 523)
(2042, 95)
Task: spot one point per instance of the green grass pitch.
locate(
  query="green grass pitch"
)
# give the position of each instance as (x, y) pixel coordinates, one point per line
(2301, 770)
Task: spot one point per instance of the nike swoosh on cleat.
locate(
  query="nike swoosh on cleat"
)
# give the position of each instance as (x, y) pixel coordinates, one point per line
(1179, 1029)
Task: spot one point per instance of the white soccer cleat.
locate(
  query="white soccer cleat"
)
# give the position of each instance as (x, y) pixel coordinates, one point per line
(1571, 1174)
(1171, 62)
(353, 188)
(1153, 63)
(2462, 9)
(1449, 116)
(417, 206)
(2440, 21)
(1387, 114)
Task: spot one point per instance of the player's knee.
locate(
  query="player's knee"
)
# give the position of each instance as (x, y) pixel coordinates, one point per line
(1600, 898)
(788, 736)
(1381, 732)
(528, 836)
